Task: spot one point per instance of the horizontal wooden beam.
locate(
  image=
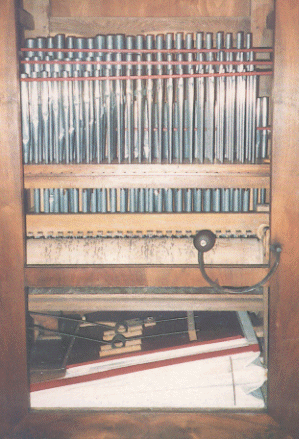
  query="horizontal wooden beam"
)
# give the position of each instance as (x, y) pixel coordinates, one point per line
(89, 26)
(147, 176)
(147, 224)
(154, 424)
(138, 276)
(144, 302)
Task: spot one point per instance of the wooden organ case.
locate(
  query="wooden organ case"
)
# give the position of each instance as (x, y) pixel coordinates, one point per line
(180, 189)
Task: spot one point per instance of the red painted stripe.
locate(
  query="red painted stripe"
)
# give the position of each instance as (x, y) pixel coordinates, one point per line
(155, 351)
(233, 50)
(139, 367)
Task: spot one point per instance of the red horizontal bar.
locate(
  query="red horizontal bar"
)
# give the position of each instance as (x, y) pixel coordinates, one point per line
(253, 49)
(124, 62)
(176, 76)
(269, 128)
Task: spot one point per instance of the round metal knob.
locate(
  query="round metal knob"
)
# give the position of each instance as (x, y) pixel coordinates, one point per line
(204, 240)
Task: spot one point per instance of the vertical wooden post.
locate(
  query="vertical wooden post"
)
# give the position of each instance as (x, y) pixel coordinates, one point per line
(13, 374)
(284, 289)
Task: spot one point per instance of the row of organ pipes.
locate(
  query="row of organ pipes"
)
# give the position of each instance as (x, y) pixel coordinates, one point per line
(172, 114)
(152, 200)
(147, 99)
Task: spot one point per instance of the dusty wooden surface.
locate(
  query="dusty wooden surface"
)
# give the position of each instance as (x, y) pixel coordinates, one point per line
(169, 251)
(89, 300)
(65, 425)
(88, 26)
(284, 303)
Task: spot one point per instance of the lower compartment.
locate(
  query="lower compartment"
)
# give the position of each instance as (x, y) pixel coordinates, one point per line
(146, 360)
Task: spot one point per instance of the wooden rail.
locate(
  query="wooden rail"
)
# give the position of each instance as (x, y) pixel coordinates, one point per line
(82, 302)
(139, 224)
(147, 176)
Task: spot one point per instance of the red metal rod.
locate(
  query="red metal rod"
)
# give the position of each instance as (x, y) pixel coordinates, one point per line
(234, 63)
(197, 75)
(269, 128)
(253, 49)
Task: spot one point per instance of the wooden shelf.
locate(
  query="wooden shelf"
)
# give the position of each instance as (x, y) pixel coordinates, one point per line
(147, 176)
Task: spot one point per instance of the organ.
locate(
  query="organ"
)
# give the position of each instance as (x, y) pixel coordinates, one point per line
(283, 348)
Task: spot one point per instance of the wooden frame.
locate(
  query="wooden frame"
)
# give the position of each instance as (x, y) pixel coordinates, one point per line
(284, 305)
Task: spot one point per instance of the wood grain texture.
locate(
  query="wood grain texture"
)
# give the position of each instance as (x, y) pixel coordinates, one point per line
(154, 8)
(139, 425)
(284, 304)
(90, 26)
(13, 376)
(138, 276)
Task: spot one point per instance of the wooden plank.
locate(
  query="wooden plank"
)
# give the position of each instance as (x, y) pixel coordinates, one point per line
(144, 8)
(191, 326)
(13, 376)
(284, 304)
(86, 425)
(90, 26)
(153, 176)
(138, 276)
(148, 224)
(144, 302)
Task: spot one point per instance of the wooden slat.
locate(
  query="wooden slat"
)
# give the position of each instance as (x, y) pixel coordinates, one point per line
(154, 176)
(13, 376)
(144, 8)
(150, 425)
(284, 304)
(90, 26)
(163, 224)
(138, 276)
(144, 302)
